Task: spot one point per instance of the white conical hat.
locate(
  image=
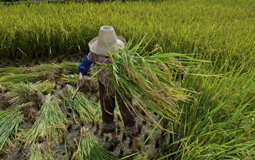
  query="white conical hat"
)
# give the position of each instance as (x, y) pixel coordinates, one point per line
(106, 37)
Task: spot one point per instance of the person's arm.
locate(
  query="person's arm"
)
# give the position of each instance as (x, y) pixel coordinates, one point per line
(84, 66)
(83, 70)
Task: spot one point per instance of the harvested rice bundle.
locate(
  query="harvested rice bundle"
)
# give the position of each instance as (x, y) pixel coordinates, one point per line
(9, 122)
(91, 84)
(46, 67)
(89, 148)
(41, 152)
(87, 110)
(13, 70)
(148, 80)
(27, 92)
(50, 126)
(22, 88)
(17, 78)
(70, 66)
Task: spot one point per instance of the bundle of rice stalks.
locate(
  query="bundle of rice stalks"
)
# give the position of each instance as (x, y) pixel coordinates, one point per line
(8, 100)
(89, 148)
(149, 80)
(87, 110)
(70, 66)
(9, 122)
(91, 84)
(24, 91)
(46, 67)
(12, 70)
(41, 152)
(50, 126)
(17, 78)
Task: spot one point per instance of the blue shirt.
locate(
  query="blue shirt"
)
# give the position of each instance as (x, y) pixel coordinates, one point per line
(84, 66)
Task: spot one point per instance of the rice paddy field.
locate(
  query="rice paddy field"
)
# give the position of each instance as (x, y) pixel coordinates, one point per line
(213, 117)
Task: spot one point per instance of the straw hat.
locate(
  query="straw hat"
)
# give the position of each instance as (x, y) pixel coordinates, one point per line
(106, 37)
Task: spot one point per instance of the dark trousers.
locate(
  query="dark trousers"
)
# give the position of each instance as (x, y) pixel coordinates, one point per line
(107, 107)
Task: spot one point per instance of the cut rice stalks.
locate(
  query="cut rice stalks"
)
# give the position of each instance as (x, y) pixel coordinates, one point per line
(87, 110)
(148, 80)
(70, 66)
(23, 88)
(89, 148)
(41, 152)
(50, 126)
(13, 70)
(17, 78)
(31, 91)
(9, 122)
(91, 84)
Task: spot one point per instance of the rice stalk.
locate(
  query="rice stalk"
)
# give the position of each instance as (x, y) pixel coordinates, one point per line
(87, 110)
(26, 92)
(46, 67)
(89, 148)
(12, 70)
(91, 84)
(50, 126)
(9, 122)
(70, 66)
(17, 78)
(145, 79)
(41, 151)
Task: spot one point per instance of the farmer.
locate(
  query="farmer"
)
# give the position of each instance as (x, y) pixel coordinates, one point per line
(98, 54)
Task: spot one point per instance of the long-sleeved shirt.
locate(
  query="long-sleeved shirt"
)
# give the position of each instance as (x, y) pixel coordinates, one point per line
(88, 60)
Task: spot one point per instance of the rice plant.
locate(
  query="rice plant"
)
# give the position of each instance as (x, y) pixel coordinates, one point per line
(86, 110)
(41, 152)
(50, 126)
(89, 148)
(9, 122)
(149, 80)
(220, 123)
(206, 28)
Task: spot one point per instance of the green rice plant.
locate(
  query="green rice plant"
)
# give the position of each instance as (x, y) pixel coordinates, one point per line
(219, 124)
(148, 80)
(50, 126)
(209, 29)
(9, 122)
(86, 110)
(89, 148)
(41, 152)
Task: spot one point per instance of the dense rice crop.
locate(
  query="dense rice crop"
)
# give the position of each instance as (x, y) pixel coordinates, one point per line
(211, 29)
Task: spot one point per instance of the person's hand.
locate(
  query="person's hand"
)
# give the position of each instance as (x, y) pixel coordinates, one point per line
(80, 81)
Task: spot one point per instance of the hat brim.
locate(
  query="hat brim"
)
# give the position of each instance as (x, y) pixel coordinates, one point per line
(100, 48)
